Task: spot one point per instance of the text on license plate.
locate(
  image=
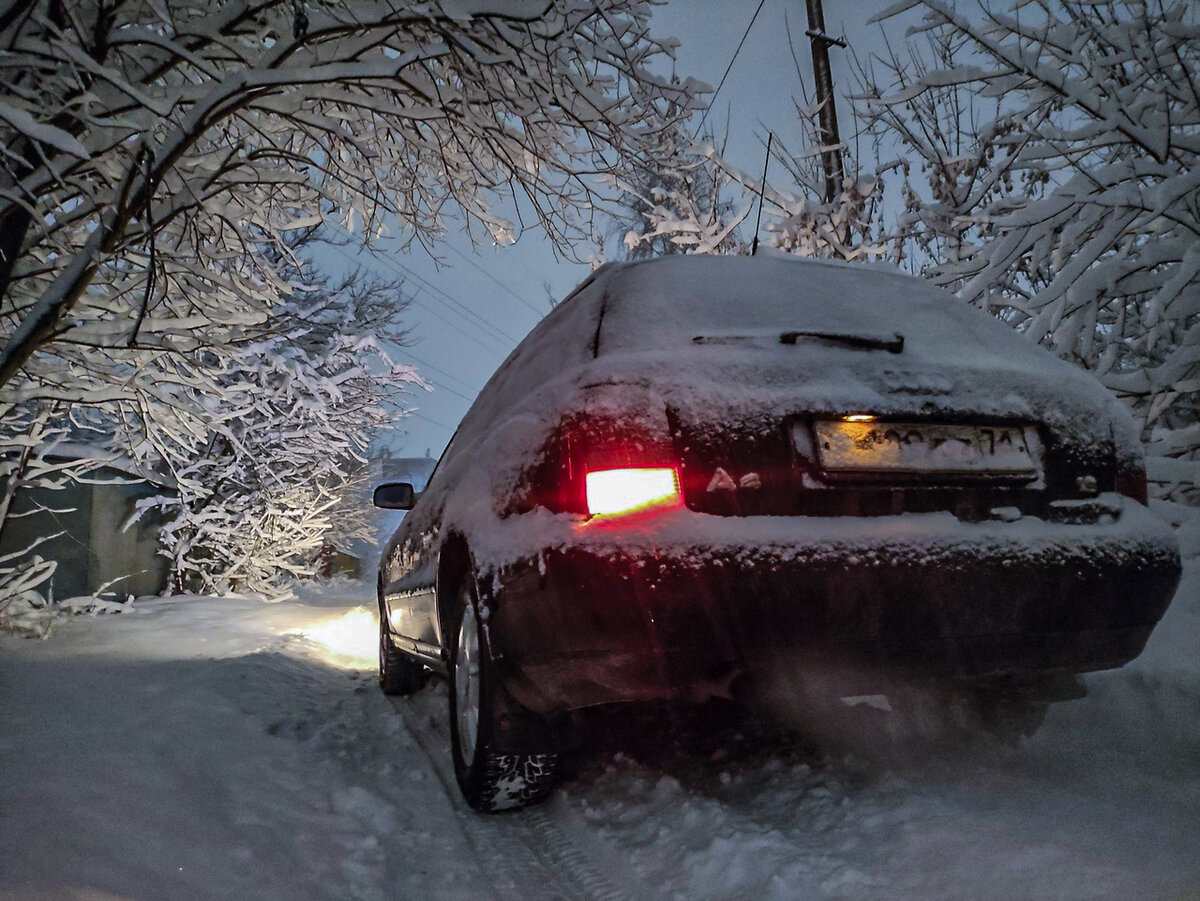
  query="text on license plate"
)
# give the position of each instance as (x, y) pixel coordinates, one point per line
(926, 448)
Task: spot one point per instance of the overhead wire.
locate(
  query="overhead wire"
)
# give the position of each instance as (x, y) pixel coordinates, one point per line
(421, 362)
(728, 68)
(403, 351)
(458, 306)
(489, 275)
(500, 350)
(440, 425)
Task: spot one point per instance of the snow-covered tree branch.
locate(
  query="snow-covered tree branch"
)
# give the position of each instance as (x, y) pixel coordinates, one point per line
(25, 463)
(254, 494)
(123, 123)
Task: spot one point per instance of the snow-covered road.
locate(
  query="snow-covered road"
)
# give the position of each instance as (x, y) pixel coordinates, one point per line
(206, 748)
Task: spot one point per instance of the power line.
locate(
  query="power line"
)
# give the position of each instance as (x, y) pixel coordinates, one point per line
(463, 310)
(449, 389)
(405, 352)
(443, 387)
(489, 275)
(359, 261)
(427, 365)
(721, 83)
(440, 425)
(484, 326)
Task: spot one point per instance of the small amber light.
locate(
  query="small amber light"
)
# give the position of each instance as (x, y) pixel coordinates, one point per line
(858, 417)
(628, 490)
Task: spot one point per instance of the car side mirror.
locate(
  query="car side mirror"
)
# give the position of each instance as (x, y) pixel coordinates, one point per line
(394, 496)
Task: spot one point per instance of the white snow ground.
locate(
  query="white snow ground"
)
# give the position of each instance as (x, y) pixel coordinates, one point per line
(204, 748)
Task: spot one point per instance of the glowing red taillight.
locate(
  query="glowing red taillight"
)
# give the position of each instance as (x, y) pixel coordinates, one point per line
(628, 490)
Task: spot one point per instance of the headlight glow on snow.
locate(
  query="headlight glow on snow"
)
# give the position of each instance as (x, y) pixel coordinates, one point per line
(348, 641)
(629, 490)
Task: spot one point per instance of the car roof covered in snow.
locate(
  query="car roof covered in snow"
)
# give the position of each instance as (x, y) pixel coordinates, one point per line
(725, 332)
(677, 311)
(768, 301)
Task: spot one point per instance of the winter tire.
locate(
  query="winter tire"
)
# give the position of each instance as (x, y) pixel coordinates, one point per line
(489, 779)
(399, 674)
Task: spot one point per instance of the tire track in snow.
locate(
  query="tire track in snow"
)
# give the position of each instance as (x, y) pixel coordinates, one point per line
(529, 855)
(569, 856)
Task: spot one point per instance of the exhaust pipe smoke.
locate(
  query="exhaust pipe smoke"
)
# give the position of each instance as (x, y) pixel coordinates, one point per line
(875, 715)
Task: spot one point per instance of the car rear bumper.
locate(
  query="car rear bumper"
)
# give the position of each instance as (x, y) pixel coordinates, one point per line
(677, 606)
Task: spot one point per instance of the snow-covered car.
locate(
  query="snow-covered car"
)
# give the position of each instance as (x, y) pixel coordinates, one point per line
(696, 470)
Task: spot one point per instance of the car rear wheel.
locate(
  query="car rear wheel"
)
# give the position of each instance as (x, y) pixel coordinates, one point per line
(490, 780)
(399, 674)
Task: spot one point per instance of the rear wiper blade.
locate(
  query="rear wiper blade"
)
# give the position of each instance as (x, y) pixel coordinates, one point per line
(893, 343)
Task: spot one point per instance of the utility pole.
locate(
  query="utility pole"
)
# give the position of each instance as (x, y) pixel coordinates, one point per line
(831, 159)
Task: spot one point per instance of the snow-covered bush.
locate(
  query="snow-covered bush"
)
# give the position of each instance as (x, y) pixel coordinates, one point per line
(273, 436)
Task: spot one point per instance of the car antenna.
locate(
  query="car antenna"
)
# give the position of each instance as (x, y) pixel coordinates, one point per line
(762, 190)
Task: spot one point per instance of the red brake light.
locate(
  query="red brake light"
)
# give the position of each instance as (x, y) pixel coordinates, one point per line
(628, 490)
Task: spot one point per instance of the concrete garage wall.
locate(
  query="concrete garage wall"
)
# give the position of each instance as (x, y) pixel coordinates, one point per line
(93, 550)
(130, 555)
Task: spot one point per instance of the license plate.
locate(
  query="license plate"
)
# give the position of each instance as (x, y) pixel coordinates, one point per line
(927, 449)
